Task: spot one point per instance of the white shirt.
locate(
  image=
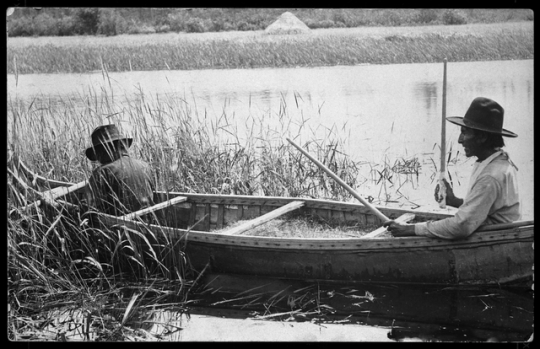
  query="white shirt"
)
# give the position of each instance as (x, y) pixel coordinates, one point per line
(492, 198)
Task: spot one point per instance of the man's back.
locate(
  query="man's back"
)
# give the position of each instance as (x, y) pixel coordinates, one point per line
(121, 186)
(506, 206)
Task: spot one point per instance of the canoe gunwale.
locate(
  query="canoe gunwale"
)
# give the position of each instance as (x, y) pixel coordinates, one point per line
(521, 233)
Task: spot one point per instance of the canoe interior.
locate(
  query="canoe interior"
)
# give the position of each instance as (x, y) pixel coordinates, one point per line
(203, 212)
(207, 212)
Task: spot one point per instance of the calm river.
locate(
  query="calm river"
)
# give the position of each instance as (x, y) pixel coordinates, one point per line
(385, 112)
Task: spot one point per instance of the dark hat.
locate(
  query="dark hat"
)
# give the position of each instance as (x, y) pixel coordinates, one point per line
(102, 135)
(484, 114)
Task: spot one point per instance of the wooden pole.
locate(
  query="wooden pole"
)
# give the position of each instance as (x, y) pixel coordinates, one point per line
(51, 195)
(154, 208)
(442, 174)
(341, 182)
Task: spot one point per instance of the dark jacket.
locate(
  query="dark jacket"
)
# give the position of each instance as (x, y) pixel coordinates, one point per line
(120, 187)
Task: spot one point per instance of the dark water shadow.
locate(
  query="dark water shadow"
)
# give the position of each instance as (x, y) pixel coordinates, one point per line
(477, 314)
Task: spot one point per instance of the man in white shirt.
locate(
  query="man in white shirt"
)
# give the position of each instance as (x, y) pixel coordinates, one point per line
(492, 196)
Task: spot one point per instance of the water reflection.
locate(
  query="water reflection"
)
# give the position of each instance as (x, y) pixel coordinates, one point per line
(431, 93)
(433, 314)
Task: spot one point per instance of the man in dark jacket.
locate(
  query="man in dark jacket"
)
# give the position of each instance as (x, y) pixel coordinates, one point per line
(121, 184)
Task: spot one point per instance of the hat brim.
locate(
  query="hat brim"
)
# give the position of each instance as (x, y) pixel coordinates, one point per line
(458, 120)
(91, 152)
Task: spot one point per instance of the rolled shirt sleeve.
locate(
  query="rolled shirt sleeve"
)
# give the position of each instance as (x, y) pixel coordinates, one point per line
(470, 215)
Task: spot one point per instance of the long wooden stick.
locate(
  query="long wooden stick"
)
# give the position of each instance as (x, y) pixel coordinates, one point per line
(156, 207)
(35, 177)
(51, 195)
(442, 174)
(264, 218)
(341, 182)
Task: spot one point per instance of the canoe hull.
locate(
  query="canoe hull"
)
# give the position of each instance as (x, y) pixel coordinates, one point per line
(449, 264)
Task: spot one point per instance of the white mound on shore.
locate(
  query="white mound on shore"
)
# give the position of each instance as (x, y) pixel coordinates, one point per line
(287, 23)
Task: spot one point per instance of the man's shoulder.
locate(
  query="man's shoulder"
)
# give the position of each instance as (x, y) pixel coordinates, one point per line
(132, 165)
(498, 168)
(499, 164)
(134, 161)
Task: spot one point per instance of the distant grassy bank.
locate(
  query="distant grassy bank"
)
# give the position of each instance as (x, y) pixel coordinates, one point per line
(116, 21)
(321, 47)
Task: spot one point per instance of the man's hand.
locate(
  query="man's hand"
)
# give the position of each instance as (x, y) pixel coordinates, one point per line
(451, 199)
(399, 229)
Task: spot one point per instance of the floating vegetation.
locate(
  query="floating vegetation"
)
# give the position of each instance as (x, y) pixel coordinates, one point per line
(306, 228)
(404, 166)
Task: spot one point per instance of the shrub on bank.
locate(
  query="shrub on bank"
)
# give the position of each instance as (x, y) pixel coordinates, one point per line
(175, 21)
(44, 25)
(41, 25)
(394, 18)
(426, 16)
(452, 16)
(163, 28)
(66, 26)
(111, 23)
(20, 27)
(197, 25)
(142, 29)
(327, 23)
(341, 18)
(88, 20)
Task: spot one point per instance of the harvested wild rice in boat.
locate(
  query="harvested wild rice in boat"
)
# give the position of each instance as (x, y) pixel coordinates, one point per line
(304, 228)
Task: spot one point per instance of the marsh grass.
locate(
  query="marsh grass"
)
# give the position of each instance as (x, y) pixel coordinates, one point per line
(56, 260)
(259, 50)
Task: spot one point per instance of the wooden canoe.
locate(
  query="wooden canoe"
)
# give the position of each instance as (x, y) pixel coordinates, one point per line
(494, 255)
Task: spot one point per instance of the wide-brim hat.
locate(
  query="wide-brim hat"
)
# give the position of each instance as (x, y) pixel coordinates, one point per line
(103, 135)
(485, 115)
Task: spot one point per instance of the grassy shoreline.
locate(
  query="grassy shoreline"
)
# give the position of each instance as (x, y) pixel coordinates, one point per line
(242, 50)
